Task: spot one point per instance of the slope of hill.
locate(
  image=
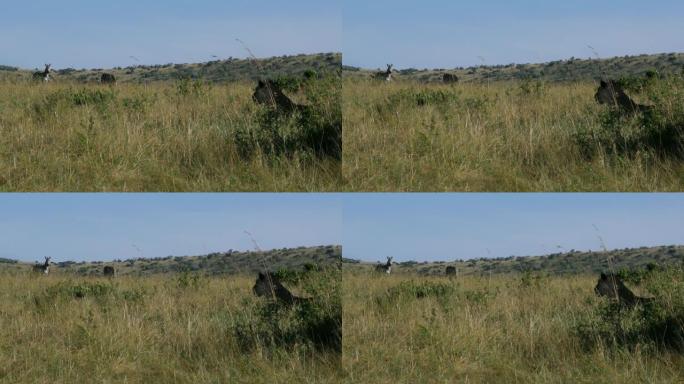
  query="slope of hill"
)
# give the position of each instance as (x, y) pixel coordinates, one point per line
(230, 262)
(569, 263)
(219, 71)
(572, 69)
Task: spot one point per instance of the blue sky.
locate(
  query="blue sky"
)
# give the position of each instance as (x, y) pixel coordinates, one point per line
(108, 226)
(429, 227)
(447, 33)
(89, 34)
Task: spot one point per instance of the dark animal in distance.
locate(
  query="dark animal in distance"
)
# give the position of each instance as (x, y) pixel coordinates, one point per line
(386, 76)
(450, 270)
(268, 285)
(611, 93)
(107, 78)
(449, 78)
(43, 268)
(43, 76)
(269, 93)
(108, 271)
(385, 268)
(612, 286)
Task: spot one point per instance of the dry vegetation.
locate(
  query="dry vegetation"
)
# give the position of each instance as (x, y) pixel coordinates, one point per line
(171, 329)
(174, 136)
(505, 136)
(512, 329)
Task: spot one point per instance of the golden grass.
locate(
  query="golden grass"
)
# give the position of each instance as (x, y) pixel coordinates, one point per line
(497, 137)
(151, 331)
(496, 330)
(147, 138)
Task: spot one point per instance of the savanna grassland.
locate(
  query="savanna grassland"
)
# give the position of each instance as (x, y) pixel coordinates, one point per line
(176, 135)
(172, 328)
(517, 328)
(515, 136)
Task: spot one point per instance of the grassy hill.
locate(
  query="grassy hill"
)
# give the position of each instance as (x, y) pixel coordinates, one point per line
(568, 263)
(230, 262)
(219, 71)
(573, 69)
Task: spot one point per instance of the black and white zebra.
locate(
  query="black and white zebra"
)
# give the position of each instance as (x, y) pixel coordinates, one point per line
(385, 268)
(43, 268)
(387, 75)
(45, 75)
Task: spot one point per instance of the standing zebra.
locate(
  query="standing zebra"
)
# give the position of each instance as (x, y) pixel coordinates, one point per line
(385, 268)
(387, 75)
(43, 268)
(45, 75)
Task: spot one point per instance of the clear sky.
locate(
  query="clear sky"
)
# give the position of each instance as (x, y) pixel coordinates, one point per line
(448, 33)
(90, 34)
(91, 227)
(429, 227)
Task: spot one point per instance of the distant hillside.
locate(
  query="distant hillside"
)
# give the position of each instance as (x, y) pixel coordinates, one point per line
(219, 71)
(230, 262)
(573, 262)
(572, 69)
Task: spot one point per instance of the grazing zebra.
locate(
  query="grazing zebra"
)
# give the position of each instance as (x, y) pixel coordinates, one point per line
(45, 75)
(268, 285)
(43, 268)
(109, 271)
(450, 271)
(387, 75)
(385, 268)
(107, 78)
(449, 78)
(611, 93)
(611, 285)
(269, 93)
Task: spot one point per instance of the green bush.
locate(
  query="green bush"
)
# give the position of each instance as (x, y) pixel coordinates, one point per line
(309, 326)
(659, 130)
(655, 325)
(315, 129)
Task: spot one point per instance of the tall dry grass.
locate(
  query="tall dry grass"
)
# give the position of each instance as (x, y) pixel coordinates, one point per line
(483, 330)
(163, 329)
(160, 137)
(518, 136)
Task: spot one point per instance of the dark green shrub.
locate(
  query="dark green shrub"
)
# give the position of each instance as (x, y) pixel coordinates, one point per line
(311, 326)
(315, 128)
(655, 325)
(658, 130)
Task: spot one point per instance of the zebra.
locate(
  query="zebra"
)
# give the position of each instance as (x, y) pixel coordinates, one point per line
(450, 271)
(45, 75)
(268, 285)
(107, 78)
(611, 93)
(387, 75)
(385, 268)
(269, 93)
(109, 271)
(612, 286)
(43, 268)
(449, 78)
